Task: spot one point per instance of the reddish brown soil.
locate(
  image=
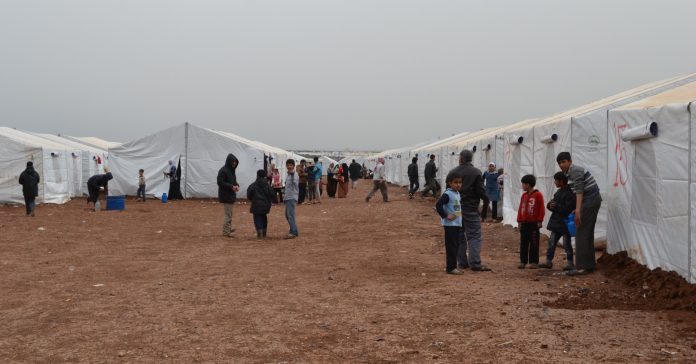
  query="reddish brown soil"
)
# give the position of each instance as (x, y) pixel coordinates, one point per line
(363, 283)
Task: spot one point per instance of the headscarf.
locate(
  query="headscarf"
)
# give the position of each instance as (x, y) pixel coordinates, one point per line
(491, 164)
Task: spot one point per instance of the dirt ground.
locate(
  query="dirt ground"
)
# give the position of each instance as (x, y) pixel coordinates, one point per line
(363, 283)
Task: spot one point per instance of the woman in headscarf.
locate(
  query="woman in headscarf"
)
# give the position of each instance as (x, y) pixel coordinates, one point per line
(343, 181)
(174, 175)
(331, 181)
(490, 180)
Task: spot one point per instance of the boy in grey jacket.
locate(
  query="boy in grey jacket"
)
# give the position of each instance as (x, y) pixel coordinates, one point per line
(292, 192)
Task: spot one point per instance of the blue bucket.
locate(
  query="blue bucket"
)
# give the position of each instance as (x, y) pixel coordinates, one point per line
(571, 224)
(116, 203)
(164, 198)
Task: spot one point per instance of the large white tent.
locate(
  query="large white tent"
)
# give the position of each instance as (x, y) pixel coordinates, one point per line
(652, 194)
(201, 153)
(93, 142)
(53, 162)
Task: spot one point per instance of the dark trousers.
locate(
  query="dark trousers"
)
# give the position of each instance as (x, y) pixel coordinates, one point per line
(141, 192)
(261, 221)
(303, 193)
(93, 193)
(30, 204)
(584, 235)
(553, 240)
(278, 194)
(494, 210)
(529, 243)
(451, 246)
(413, 187)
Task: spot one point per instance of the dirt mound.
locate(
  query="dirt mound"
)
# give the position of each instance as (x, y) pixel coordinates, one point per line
(629, 285)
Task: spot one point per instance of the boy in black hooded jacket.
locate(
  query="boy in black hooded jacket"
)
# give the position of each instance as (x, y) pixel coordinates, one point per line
(562, 204)
(261, 196)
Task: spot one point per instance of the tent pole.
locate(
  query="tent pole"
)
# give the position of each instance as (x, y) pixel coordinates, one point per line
(186, 137)
(690, 109)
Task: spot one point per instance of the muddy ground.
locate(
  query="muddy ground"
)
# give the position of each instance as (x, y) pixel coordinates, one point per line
(363, 283)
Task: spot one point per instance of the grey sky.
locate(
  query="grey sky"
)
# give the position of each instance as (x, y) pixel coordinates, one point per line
(326, 74)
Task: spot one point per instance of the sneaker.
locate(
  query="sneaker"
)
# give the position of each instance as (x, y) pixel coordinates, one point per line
(521, 266)
(533, 266)
(569, 267)
(462, 267)
(455, 271)
(547, 265)
(290, 236)
(480, 268)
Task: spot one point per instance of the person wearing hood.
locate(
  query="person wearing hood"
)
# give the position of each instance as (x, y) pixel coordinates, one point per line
(227, 191)
(261, 196)
(472, 192)
(95, 184)
(29, 179)
(174, 175)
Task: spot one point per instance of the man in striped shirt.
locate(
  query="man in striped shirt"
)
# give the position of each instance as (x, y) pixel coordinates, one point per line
(588, 202)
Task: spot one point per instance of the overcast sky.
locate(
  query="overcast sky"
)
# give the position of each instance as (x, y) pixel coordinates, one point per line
(303, 74)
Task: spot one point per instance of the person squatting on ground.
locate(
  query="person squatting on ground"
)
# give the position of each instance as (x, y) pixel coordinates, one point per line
(261, 196)
(413, 177)
(227, 192)
(379, 181)
(448, 206)
(292, 191)
(95, 184)
(562, 204)
(430, 174)
(490, 179)
(587, 203)
(140, 195)
(302, 175)
(355, 171)
(277, 185)
(530, 218)
(29, 179)
(471, 192)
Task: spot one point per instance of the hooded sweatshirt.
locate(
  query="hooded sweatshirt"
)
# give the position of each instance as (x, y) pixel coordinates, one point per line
(531, 207)
(29, 179)
(227, 179)
(99, 180)
(261, 196)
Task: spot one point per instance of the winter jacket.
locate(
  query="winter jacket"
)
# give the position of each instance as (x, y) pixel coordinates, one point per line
(302, 173)
(449, 203)
(472, 190)
(311, 174)
(261, 196)
(430, 171)
(413, 172)
(565, 204)
(292, 187)
(99, 180)
(355, 170)
(531, 207)
(29, 179)
(227, 179)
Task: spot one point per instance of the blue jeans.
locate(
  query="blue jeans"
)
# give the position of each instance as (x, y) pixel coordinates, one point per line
(141, 192)
(470, 236)
(553, 240)
(30, 204)
(290, 215)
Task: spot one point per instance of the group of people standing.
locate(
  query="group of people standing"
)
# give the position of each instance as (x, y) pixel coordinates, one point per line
(340, 178)
(577, 194)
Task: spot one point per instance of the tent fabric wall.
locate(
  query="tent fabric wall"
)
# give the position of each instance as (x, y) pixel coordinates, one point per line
(651, 217)
(692, 195)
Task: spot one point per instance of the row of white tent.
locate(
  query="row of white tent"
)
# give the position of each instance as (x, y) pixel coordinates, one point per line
(648, 183)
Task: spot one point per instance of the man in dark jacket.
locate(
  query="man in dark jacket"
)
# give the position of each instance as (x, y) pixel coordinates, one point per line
(94, 185)
(355, 172)
(227, 191)
(472, 192)
(430, 174)
(413, 177)
(29, 179)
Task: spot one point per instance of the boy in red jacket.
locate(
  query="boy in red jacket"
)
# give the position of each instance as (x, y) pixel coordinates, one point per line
(530, 217)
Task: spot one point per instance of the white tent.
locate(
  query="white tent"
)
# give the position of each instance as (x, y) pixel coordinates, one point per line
(201, 153)
(86, 161)
(325, 163)
(441, 150)
(651, 199)
(51, 160)
(93, 142)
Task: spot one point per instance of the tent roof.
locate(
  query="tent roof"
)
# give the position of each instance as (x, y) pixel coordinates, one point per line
(678, 95)
(69, 143)
(93, 141)
(442, 141)
(29, 139)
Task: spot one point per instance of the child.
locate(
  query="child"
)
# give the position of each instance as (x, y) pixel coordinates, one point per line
(292, 192)
(530, 217)
(448, 206)
(277, 185)
(261, 197)
(141, 185)
(561, 206)
(311, 183)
